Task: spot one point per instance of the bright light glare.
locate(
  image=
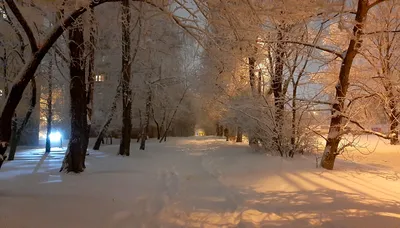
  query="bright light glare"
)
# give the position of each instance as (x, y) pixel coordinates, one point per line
(55, 136)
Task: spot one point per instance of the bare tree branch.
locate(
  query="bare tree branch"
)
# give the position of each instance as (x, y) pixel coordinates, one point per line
(21, 19)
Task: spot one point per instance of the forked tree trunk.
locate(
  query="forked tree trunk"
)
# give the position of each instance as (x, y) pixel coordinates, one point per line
(124, 147)
(74, 160)
(49, 116)
(145, 129)
(334, 135)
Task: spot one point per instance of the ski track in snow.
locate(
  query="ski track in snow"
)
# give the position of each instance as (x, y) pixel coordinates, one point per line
(197, 182)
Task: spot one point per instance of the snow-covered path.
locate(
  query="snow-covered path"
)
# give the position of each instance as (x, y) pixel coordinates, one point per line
(195, 182)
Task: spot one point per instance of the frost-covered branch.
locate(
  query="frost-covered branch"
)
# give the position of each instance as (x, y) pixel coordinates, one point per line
(21, 19)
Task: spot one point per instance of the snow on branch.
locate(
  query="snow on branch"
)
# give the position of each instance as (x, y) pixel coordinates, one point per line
(325, 49)
(21, 19)
(366, 131)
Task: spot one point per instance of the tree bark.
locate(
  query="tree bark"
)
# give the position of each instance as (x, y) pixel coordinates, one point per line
(4, 60)
(49, 106)
(163, 121)
(13, 147)
(124, 147)
(75, 157)
(252, 74)
(294, 117)
(334, 135)
(145, 128)
(91, 75)
(393, 118)
(277, 83)
(157, 124)
(140, 126)
(252, 77)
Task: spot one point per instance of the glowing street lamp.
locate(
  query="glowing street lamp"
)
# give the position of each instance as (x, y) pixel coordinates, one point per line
(55, 137)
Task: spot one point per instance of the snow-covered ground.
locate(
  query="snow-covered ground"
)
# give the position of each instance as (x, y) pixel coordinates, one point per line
(201, 182)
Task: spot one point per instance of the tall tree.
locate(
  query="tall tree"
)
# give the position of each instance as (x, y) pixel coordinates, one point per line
(75, 157)
(145, 128)
(334, 135)
(49, 116)
(91, 74)
(124, 148)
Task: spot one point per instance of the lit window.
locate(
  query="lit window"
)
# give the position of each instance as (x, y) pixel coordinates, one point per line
(1, 92)
(99, 78)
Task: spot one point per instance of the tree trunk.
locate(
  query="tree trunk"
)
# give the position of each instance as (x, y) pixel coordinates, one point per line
(226, 134)
(124, 147)
(49, 117)
(13, 147)
(252, 74)
(277, 83)
(106, 124)
(294, 126)
(259, 84)
(252, 78)
(394, 122)
(18, 131)
(75, 157)
(157, 124)
(158, 133)
(173, 116)
(140, 126)
(91, 75)
(158, 130)
(334, 135)
(239, 136)
(145, 128)
(4, 62)
(161, 129)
